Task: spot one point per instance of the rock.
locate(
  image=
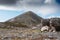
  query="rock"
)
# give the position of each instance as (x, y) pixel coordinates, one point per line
(44, 28)
(56, 23)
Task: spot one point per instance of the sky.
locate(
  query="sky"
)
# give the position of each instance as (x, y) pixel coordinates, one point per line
(43, 8)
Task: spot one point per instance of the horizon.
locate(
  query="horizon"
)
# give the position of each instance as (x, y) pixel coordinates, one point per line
(43, 8)
(25, 12)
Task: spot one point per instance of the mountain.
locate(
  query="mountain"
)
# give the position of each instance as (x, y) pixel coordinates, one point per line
(28, 18)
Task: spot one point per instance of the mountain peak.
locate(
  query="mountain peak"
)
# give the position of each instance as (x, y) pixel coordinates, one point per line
(29, 18)
(29, 13)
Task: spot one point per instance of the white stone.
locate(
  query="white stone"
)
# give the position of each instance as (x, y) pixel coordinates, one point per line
(45, 28)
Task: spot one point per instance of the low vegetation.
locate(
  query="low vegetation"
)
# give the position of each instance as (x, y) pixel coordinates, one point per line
(12, 24)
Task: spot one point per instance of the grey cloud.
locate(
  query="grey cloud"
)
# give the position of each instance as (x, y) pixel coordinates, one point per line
(32, 2)
(8, 2)
(37, 2)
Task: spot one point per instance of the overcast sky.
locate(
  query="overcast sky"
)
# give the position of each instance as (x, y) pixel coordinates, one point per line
(43, 8)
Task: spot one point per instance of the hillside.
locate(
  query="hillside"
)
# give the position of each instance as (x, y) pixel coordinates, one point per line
(27, 18)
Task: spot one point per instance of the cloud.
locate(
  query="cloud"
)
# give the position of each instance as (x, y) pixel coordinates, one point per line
(49, 1)
(6, 8)
(19, 4)
(11, 8)
(52, 2)
(7, 2)
(42, 7)
(53, 16)
(26, 3)
(31, 2)
(46, 10)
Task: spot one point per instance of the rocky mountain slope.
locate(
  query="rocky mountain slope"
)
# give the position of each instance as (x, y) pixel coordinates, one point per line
(27, 18)
(56, 23)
